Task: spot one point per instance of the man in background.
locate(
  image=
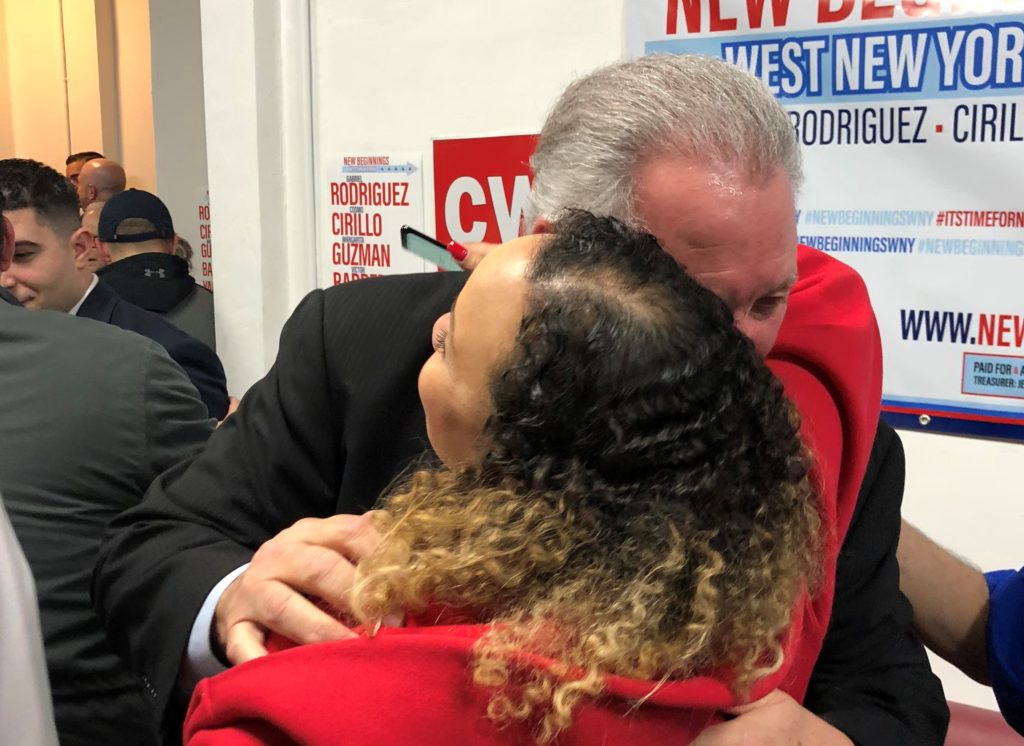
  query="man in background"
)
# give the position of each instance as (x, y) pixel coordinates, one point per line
(136, 231)
(99, 180)
(96, 258)
(184, 251)
(91, 415)
(50, 272)
(73, 165)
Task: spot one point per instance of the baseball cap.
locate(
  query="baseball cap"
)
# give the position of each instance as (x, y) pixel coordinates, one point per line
(134, 203)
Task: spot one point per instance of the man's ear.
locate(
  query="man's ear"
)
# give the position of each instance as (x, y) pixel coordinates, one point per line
(82, 245)
(103, 252)
(541, 225)
(6, 243)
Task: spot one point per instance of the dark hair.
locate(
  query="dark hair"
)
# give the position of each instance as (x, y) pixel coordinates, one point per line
(25, 183)
(642, 507)
(627, 368)
(85, 155)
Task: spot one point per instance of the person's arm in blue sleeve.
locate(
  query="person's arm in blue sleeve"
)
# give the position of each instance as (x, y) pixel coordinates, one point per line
(1005, 643)
(972, 620)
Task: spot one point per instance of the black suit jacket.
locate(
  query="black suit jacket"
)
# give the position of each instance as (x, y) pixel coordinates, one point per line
(161, 283)
(198, 361)
(91, 415)
(333, 423)
(872, 679)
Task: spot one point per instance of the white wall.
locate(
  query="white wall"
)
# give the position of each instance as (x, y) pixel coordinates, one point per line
(259, 152)
(392, 75)
(385, 75)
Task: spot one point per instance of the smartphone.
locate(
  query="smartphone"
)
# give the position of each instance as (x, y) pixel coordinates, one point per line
(428, 248)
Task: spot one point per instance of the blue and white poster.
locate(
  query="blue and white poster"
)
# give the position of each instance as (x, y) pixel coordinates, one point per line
(910, 114)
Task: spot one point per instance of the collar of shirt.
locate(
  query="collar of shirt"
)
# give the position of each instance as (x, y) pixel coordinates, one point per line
(74, 308)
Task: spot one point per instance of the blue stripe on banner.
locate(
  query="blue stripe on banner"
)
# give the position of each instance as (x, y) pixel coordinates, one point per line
(929, 405)
(906, 414)
(951, 426)
(899, 61)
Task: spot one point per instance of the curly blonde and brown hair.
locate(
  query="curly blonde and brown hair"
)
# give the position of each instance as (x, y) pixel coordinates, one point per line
(643, 507)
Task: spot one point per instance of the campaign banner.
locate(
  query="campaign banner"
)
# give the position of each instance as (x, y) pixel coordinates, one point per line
(911, 120)
(480, 187)
(365, 199)
(202, 265)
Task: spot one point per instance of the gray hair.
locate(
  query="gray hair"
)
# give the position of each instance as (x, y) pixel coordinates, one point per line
(607, 122)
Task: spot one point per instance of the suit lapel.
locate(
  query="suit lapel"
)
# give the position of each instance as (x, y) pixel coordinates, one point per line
(100, 303)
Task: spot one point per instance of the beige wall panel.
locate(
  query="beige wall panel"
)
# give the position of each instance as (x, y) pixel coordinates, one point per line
(83, 90)
(35, 67)
(135, 92)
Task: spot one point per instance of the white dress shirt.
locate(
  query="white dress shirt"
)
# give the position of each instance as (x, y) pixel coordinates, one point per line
(74, 308)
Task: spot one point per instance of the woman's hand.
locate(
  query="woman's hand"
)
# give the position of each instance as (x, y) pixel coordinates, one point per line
(468, 255)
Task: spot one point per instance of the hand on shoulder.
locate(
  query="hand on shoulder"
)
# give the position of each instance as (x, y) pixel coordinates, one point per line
(316, 557)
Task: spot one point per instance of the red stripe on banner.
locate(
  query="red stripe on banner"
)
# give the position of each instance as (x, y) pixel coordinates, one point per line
(953, 415)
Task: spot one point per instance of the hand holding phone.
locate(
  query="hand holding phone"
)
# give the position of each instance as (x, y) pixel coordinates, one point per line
(428, 248)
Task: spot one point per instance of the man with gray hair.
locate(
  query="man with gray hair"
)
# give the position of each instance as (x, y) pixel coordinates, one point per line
(699, 154)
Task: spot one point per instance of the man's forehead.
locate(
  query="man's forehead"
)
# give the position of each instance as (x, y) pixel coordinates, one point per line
(28, 217)
(676, 175)
(775, 256)
(765, 259)
(29, 224)
(737, 279)
(714, 216)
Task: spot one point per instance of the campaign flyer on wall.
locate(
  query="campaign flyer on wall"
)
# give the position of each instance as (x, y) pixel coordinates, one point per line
(365, 200)
(910, 116)
(204, 261)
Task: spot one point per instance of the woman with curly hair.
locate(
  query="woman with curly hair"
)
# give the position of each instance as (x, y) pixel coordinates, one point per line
(617, 543)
